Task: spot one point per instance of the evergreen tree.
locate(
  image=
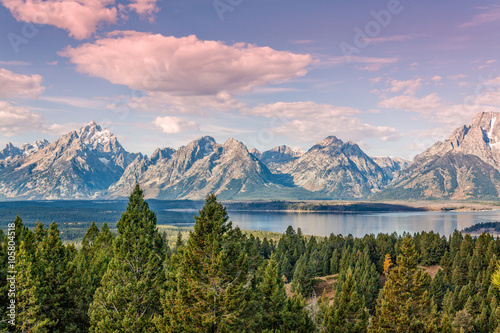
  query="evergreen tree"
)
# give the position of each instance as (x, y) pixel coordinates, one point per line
(210, 288)
(52, 272)
(89, 266)
(404, 304)
(348, 312)
(128, 298)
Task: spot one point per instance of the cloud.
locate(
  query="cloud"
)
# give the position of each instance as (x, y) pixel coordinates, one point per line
(184, 66)
(490, 15)
(435, 109)
(425, 105)
(79, 17)
(436, 78)
(409, 86)
(164, 102)
(394, 38)
(61, 129)
(14, 63)
(84, 103)
(145, 8)
(457, 76)
(16, 119)
(18, 85)
(175, 125)
(370, 63)
(309, 121)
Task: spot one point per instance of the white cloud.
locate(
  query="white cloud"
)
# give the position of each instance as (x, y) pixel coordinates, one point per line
(175, 125)
(309, 121)
(18, 85)
(17, 119)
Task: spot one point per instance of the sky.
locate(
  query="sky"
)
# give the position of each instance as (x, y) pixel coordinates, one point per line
(393, 76)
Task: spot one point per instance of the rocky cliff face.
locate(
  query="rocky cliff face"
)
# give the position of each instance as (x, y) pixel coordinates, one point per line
(465, 165)
(195, 170)
(279, 158)
(79, 165)
(337, 169)
(391, 165)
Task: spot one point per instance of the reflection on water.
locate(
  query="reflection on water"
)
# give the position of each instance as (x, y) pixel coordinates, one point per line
(323, 224)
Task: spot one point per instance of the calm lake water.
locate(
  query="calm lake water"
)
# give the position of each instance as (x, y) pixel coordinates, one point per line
(74, 217)
(323, 224)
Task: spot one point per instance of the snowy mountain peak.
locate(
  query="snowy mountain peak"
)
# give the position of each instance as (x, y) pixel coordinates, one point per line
(31, 148)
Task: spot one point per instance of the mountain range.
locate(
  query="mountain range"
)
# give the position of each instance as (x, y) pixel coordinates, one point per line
(90, 163)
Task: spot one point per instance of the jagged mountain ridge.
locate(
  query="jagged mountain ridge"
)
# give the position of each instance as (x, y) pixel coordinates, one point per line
(79, 165)
(391, 165)
(199, 168)
(465, 165)
(91, 163)
(337, 169)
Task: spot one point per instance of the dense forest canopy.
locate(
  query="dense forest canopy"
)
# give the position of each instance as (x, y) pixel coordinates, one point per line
(220, 279)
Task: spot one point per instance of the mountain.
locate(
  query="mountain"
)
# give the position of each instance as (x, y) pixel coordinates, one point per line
(13, 156)
(279, 158)
(465, 165)
(201, 167)
(338, 170)
(79, 165)
(391, 165)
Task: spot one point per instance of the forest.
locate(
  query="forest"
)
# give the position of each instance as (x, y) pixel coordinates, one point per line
(220, 279)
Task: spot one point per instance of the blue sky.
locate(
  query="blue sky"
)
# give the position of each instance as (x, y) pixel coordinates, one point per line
(393, 76)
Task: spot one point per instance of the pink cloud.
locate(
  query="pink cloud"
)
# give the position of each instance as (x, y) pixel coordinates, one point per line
(426, 105)
(491, 14)
(184, 66)
(371, 63)
(79, 17)
(19, 85)
(394, 38)
(409, 86)
(145, 8)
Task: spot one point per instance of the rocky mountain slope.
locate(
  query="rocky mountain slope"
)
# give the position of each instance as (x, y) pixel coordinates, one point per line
(338, 170)
(465, 165)
(279, 158)
(201, 167)
(79, 165)
(391, 165)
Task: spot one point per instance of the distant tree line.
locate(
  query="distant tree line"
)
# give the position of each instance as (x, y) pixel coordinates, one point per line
(220, 280)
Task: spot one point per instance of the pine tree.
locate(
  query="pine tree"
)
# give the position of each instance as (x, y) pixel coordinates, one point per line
(273, 301)
(348, 312)
(29, 311)
(404, 304)
(127, 300)
(89, 266)
(52, 272)
(210, 288)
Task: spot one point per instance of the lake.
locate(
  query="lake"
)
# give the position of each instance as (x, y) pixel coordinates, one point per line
(74, 217)
(323, 224)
